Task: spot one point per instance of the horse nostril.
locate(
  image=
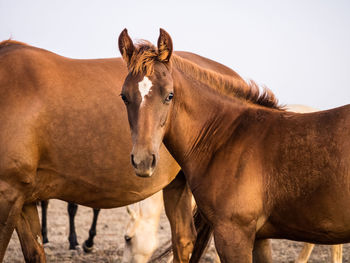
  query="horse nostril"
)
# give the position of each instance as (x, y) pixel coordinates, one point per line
(132, 161)
(127, 238)
(153, 161)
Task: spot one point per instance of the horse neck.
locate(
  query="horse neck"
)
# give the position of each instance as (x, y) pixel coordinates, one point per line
(201, 121)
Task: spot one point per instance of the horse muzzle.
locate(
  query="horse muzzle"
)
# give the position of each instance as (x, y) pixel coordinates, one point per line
(144, 164)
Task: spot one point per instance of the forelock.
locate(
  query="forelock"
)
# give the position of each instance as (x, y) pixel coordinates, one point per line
(143, 58)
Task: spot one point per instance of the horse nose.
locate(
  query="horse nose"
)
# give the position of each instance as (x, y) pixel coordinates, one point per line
(127, 238)
(143, 162)
(153, 161)
(133, 162)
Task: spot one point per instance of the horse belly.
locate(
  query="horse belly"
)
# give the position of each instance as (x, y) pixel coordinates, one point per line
(97, 172)
(324, 220)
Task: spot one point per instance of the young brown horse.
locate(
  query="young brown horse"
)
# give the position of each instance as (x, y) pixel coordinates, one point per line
(64, 135)
(255, 170)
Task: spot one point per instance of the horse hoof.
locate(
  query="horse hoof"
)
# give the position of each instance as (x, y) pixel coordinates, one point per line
(76, 251)
(48, 246)
(87, 249)
(74, 247)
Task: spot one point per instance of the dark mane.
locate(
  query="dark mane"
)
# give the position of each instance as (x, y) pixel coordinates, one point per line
(146, 54)
(10, 42)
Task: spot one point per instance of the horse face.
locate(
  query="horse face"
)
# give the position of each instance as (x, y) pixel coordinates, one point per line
(141, 238)
(148, 98)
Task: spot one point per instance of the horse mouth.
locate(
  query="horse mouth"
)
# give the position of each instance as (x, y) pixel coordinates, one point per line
(144, 174)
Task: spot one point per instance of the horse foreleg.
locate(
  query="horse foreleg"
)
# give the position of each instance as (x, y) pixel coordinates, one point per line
(44, 205)
(10, 209)
(262, 251)
(337, 253)
(29, 234)
(305, 253)
(234, 242)
(89, 243)
(177, 202)
(72, 210)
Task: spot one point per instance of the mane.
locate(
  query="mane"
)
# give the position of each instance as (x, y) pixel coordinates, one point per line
(230, 86)
(10, 42)
(146, 54)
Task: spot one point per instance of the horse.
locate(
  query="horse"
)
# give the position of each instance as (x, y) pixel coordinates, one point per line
(64, 135)
(141, 235)
(256, 171)
(72, 236)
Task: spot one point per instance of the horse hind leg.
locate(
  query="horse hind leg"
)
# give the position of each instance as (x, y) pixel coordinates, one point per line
(89, 243)
(44, 205)
(10, 208)
(337, 253)
(305, 253)
(72, 238)
(29, 233)
(262, 251)
(18, 170)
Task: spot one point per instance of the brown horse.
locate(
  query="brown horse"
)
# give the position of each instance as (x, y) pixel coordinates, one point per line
(255, 170)
(64, 135)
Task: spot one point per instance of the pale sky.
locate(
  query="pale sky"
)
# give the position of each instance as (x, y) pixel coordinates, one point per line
(299, 49)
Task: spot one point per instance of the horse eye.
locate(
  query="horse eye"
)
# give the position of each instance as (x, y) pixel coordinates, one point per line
(170, 97)
(124, 98)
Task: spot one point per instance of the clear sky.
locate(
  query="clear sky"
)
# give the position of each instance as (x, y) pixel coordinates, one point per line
(300, 49)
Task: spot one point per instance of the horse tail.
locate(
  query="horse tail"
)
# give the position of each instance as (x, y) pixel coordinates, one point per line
(204, 231)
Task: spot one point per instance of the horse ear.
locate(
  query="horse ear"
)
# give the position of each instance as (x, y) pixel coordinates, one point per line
(165, 46)
(126, 47)
(131, 212)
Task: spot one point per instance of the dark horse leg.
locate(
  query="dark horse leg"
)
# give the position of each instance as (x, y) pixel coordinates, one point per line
(72, 210)
(89, 243)
(44, 205)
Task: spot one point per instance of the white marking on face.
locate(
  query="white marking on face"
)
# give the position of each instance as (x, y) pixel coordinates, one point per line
(144, 87)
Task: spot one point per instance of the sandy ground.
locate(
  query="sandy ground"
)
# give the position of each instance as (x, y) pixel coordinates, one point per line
(109, 241)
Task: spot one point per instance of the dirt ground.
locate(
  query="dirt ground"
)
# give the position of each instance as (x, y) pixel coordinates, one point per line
(109, 241)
